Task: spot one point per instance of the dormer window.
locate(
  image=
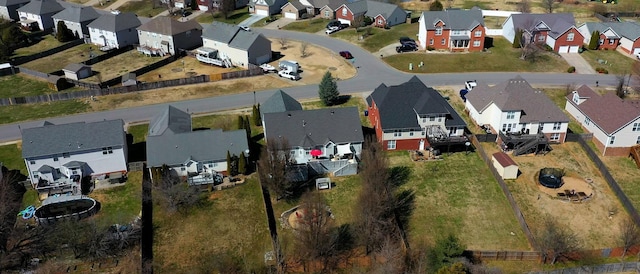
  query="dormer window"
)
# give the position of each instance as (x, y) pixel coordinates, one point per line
(438, 30)
(570, 36)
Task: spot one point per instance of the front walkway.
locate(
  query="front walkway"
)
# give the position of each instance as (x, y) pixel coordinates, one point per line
(576, 60)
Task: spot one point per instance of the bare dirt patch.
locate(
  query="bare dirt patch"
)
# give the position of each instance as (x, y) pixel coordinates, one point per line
(183, 68)
(590, 220)
(120, 64)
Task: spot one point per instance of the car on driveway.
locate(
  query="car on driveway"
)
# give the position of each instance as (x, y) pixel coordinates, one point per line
(406, 48)
(333, 24)
(346, 54)
(332, 30)
(291, 75)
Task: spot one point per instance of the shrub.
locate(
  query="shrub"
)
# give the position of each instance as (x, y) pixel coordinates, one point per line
(430, 48)
(602, 70)
(571, 69)
(548, 48)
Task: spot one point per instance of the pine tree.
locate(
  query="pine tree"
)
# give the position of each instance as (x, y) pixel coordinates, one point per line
(228, 163)
(259, 116)
(255, 116)
(595, 40)
(240, 122)
(436, 6)
(517, 39)
(194, 5)
(247, 127)
(64, 34)
(242, 164)
(328, 91)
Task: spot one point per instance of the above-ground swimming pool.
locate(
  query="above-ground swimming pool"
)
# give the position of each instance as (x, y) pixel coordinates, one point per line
(550, 177)
(66, 207)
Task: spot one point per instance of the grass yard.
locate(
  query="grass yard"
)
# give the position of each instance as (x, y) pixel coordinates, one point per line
(501, 57)
(16, 113)
(231, 225)
(139, 132)
(19, 85)
(612, 60)
(120, 204)
(310, 26)
(47, 42)
(558, 97)
(626, 173)
(60, 60)
(121, 64)
(11, 157)
(234, 17)
(143, 8)
(379, 37)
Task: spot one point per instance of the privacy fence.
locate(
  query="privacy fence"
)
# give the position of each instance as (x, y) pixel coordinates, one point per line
(25, 59)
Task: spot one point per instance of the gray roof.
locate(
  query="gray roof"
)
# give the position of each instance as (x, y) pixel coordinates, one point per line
(398, 105)
(77, 14)
(629, 30)
(453, 19)
(558, 23)
(310, 128)
(280, 102)
(201, 146)
(385, 9)
(358, 7)
(231, 35)
(116, 22)
(332, 4)
(171, 119)
(167, 26)
(7, 3)
(41, 7)
(75, 67)
(75, 137)
(296, 4)
(517, 95)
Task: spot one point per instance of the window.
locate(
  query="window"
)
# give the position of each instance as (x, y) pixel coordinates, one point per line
(587, 121)
(397, 133)
(444, 41)
(424, 119)
(411, 133)
(439, 31)
(570, 36)
(32, 162)
(556, 126)
(612, 140)
(611, 41)
(555, 137)
(601, 42)
(478, 33)
(424, 131)
(511, 115)
(65, 155)
(55, 159)
(636, 127)
(183, 168)
(439, 119)
(476, 43)
(431, 41)
(326, 14)
(391, 144)
(638, 140)
(344, 11)
(432, 118)
(379, 22)
(107, 150)
(541, 38)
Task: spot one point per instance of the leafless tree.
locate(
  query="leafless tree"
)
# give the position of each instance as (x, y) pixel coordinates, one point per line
(175, 194)
(524, 6)
(629, 235)
(303, 49)
(620, 88)
(549, 5)
(284, 42)
(390, 258)
(358, 22)
(169, 4)
(555, 241)
(313, 233)
(226, 7)
(273, 167)
(10, 201)
(569, 88)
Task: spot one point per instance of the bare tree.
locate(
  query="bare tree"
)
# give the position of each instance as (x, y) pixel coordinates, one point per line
(313, 233)
(555, 241)
(226, 7)
(169, 4)
(629, 235)
(524, 6)
(175, 194)
(358, 22)
(284, 42)
(549, 5)
(390, 258)
(620, 88)
(273, 168)
(303, 49)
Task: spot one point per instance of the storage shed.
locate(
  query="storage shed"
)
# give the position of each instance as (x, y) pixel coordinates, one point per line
(129, 79)
(77, 71)
(506, 167)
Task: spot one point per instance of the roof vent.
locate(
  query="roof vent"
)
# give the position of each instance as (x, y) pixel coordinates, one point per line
(289, 114)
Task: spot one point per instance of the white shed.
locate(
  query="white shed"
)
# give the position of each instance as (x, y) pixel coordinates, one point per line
(506, 167)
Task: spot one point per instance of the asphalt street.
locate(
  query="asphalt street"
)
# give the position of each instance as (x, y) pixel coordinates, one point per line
(371, 73)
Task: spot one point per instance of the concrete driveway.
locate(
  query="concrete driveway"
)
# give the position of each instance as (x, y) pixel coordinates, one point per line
(576, 60)
(251, 20)
(281, 22)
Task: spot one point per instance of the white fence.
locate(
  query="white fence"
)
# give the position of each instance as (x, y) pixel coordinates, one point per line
(498, 13)
(493, 32)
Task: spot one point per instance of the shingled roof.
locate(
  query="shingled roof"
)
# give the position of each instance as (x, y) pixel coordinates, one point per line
(8, 3)
(116, 22)
(167, 26)
(77, 14)
(280, 102)
(172, 120)
(558, 23)
(608, 112)
(399, 105)
(40, 7)
(517, 95)
(453, 19)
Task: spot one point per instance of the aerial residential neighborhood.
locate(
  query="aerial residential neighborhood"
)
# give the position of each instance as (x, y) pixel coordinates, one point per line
(319, 136)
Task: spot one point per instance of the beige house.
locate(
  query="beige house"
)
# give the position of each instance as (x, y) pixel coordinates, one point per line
(163, 35)
(239, 46)
(506, 167)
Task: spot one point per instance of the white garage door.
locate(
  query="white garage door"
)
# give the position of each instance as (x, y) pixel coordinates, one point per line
(563, 49)
(290, 15)
(262, 12)
(345, 21)
(263, 59)
(636, 51)
(573, 49)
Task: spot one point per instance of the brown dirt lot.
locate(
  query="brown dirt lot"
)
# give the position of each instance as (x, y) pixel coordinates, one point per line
(121, 64)
(590, 219)
(177, 70)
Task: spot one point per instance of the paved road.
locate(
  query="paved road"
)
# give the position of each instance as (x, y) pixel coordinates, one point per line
(371, 73)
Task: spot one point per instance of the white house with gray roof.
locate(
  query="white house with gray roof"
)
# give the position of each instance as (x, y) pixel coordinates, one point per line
(9, 9)
(164, 35)
(58, 157)
(613, 34)
(114, 30)
(233, 43)
(39, 13)
(76, 18)
(266, 7)
(199, 155)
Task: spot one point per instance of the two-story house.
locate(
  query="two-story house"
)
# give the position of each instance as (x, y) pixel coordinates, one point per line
(452, 30)
(76, 18)
(613, 34)
(517, 111)
(164, 35)
(412, 116)
(614, 122)
(37, 14)
(59, 157)
(382, 14)
(114, 30)
(199, 156)
(235, 44)
(557, 30)
(296, 9)
(266, 7)
(9, 9)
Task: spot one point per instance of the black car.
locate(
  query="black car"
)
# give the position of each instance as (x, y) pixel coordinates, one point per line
(333, 24)
(407, 40)
(405, 48)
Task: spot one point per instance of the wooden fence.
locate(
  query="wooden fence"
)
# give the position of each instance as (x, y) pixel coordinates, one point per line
(107, 55)
(33, 73)
(25, 59)
(484, 255)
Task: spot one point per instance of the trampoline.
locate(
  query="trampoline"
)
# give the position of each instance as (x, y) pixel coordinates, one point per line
(551, 177)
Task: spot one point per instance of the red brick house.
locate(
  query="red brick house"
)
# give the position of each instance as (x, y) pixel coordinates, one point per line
(614, 34)
(557, 30)
(382, 14)
(452, 30)
(412, 116)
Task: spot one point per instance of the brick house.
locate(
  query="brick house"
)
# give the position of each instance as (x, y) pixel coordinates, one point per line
(452, 30)
(609, 39)
(614, 34)
(382, 14)
(557, 30)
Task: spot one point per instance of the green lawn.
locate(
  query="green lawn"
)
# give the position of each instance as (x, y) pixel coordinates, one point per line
(47, 42)
(143, 8)
(120, 204)
(310, 26)
(60, 60)
(16, 113)
(139, 132)
(378, 37)
(501, 57)
(11, 157)
(19, 85)
(612, 60)
(235, 17)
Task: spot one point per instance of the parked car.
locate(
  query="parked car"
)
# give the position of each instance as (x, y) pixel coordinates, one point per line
(289, 75)
(469, 85)
(638, 56)
(334, 23)
(406, 48)
(344, 26)
(268, 68)
(332, 30)
(346, 55)
(405, 39)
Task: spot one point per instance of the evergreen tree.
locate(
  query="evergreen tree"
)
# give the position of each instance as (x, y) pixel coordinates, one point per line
(259, 116)
(255, 116)
(64, 34)
(436, 6)
(242, 164)
(328, 91)
(517, 39)
(247, 127)
(240, 122)
(194, 4)
(595, 40)
(228, 163)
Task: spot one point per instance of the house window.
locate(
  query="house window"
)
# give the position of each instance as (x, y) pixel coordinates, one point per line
(541, 38)
(424, 131)
(439, 119)
(638, 140)
(65, 155)
(511, 115)
(32, 162)
(380, 22)
(611, 41)
(507, 127)
(555, 137)
(478, 33)
(55, 159)
(570, 36)
(411, 133)
(397, 133)
(183, 168)
(107, 150)
(432, 118)
(391, 144)
(476, 43)
(431, 41)
(612, 140)
(439, 31)
(636, 127)
(444, 41)
(556, 126)
(601, 42)
(344, 11)
(326, 14)
(587, 121)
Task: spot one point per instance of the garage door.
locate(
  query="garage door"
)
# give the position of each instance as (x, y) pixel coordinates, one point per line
(563, 49)
(290, 15)
(263, 59)
(573, 49)
(636, 51)
(262, 12)
(345, 21)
